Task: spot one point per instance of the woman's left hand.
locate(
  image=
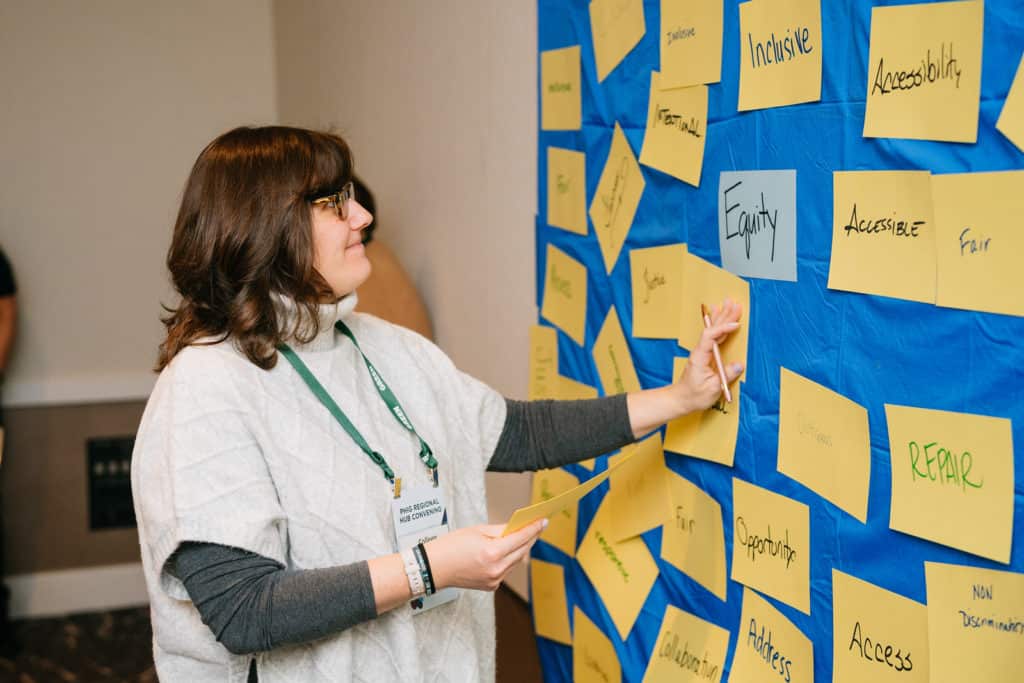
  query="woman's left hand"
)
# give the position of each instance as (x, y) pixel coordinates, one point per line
(700, 386)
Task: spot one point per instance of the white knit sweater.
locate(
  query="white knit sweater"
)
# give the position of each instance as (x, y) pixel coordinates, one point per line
(228, 453)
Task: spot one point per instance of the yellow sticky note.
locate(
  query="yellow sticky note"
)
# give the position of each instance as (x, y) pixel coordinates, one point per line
(657, 276)
(824, 443)
(568, 389)
(780, 53)
(978, 241)
(688, 649)
(565, 294)
(1011, 118)
(561, 101)
(543, 379)
(693, 540)
(878, 636)
(975, 623)
(952, 479)
(769, 647)
(617, 26)
(593, 656)
(612, 357)
(705, 283)
(771, 544)
(883, 234)
(616, 198)
(677, 126)
(567, 190)
(550, 609)
(561, 531)
(924, 71)
(710, 434)
(638, 493)
(691, 42)
(622, 572)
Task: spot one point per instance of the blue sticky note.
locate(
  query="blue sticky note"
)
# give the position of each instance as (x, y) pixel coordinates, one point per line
(757, 223)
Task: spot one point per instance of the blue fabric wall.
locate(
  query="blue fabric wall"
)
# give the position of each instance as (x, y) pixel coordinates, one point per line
(874, 350)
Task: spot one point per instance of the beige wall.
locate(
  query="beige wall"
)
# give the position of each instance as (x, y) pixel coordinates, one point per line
(438, 100)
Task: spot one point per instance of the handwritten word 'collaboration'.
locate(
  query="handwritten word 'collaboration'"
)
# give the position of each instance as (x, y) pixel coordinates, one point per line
(764, 545)
(750, 223)
(776, 50)
(893, 226)
(687, 660)
(943, 67)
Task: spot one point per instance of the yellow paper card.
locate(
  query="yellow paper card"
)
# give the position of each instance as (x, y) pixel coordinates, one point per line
(1011, 118)
(693, 540)
(824, 443)
(568, 389)
(657, 275)
(565, 294)
(710, 285)
(771, 544)
(878, 636)
(952, 479)
(567, 191)
(780, 53)
(550, 609)
(638, 493)
(691, 42)
(883, 234)
(622, 572)
(978, 241)
(975, 623)
(561, 531)
(708, 435)
(616, 198)
(543, 362)
(688, 649)
(561, 101)
(677, 126)
(593, 656)
(924, 71)
(769, 647)
(612, 357)
(617, 26)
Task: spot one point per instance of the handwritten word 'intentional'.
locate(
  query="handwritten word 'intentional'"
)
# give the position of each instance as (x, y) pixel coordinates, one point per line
(776, 50)
(750, 223)
(610, 552)
(768, 652)
(943, 67)
(761, 545)
(892, 225)
(877, 652)
(971, 245)
(942, 466)
(664, 116)
(685, 659)
(560, 285)
(680, 34)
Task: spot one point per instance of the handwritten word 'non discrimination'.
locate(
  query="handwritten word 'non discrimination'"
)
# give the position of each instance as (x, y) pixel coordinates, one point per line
(896, 227)
(664, 116)
(1007, 625)
(772, 50)
(764, 545)
(943, 67)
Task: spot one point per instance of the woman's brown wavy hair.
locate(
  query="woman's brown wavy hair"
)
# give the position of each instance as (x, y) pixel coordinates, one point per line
(244, 235)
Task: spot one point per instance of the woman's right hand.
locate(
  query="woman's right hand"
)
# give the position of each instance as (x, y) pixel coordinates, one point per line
(479, 557)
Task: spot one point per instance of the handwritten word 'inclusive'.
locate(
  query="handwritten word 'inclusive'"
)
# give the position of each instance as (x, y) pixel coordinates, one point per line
(942, 466)
(943, 67)
(776, 50)
(750, 223)
(610, 553)
(665, 117)
(680, 34)
(768, 652)
(685, 659)
(882, 654)
(901, 227)
(764, 545)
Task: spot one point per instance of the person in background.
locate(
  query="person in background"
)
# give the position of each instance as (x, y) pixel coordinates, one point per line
(276, 500)
(8, 326)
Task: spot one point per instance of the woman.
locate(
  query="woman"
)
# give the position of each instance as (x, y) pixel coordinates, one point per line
(264, 490)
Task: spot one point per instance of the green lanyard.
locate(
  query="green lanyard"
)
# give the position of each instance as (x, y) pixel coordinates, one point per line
(426, 455)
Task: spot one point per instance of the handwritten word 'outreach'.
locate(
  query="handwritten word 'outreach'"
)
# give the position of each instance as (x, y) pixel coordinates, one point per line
(750, 223)
(943, 67)
(764, 545)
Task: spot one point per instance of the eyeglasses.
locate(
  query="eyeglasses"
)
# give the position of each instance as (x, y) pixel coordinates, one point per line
(339, 200)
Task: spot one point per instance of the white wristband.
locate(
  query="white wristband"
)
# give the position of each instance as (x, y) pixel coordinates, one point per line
(412, 572)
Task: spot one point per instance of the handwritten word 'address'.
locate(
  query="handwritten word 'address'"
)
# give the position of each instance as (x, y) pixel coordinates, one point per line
(768, 652)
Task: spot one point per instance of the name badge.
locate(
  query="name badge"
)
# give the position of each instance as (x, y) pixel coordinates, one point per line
(420, 515)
